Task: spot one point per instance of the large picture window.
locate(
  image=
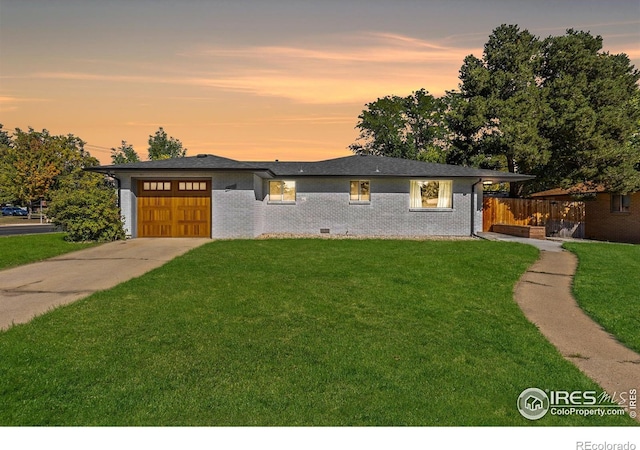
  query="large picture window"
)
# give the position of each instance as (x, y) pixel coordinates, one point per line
(427, 194)
(360, 191)
(282, 191)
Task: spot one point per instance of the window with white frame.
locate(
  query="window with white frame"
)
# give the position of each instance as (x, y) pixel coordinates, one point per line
(360, 191)
(282, 191)
(431, 194)
(620, 203)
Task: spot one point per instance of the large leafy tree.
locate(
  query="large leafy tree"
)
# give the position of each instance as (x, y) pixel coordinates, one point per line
(594, 113)
(124, 154)
(37, 165)
(560, 109)
(162, 146)
(500, 106)
(411, 127)
(32, 163)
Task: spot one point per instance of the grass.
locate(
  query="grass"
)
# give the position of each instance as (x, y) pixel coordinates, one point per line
(294, 332)
(607, 285)
(18, 250)
(20, 220)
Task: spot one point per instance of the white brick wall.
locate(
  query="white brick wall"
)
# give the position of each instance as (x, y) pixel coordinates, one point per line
(233, 206)
(477, 222)
(240, 208)
(128, 206)
(324, 203)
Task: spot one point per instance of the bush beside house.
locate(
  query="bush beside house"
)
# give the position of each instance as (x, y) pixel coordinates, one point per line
(87, 210)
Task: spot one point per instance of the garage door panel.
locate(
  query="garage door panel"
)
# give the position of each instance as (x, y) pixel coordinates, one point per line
(193, 230)
(192, 216)
(173, 212)
(156, 209)
(155, 230)
(193, 208)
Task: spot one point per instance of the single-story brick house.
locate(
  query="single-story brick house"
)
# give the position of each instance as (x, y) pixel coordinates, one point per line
(608, 216)
(211, 196)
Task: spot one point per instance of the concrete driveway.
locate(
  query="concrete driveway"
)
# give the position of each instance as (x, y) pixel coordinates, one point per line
(34, 289)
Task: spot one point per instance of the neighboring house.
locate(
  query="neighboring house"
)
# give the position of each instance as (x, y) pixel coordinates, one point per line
(217, 197)
(608, 217)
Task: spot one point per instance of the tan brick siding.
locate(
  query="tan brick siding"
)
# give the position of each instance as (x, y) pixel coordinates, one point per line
(604, 225)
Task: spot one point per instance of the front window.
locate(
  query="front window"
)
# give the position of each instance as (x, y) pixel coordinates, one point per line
(620, 203)
(282, 191)
(359, 191)
(431, 194)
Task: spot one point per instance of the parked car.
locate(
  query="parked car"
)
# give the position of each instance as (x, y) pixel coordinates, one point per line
(13, 211)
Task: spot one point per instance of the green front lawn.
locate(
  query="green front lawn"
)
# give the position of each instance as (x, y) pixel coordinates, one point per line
(18, 250)
(607, 287)
(294, 332)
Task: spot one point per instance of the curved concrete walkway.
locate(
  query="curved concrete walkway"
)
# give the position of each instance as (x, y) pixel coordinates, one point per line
(544, 295)
(33, 289)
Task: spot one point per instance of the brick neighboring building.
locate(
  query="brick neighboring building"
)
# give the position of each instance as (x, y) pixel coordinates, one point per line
(608, 217)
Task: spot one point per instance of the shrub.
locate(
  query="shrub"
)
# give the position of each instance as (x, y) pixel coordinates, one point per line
(87, 210)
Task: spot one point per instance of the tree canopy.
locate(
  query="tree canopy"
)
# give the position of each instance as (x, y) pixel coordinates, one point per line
(35, 161)
(37, 165)
(410, 127)
(559, 108)
(124, 154)
(162, 146)
(497, 120)
(594, 113)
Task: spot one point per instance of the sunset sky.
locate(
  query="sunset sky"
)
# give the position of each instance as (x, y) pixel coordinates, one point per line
(248, 79)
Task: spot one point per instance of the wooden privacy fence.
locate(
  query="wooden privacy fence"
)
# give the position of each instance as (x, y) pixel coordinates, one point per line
(562, 219)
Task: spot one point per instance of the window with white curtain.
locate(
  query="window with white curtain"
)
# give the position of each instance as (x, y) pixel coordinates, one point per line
(427, 194)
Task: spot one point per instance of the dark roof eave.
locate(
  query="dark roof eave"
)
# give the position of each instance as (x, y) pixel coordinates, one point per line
(113, 169)
(484, 177)
(350, 166)
(270, 173)
(506, 179)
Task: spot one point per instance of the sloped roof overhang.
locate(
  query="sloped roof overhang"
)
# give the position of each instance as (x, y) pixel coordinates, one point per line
(351, 166)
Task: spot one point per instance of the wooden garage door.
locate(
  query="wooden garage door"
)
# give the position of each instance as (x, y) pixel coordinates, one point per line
(174, 208)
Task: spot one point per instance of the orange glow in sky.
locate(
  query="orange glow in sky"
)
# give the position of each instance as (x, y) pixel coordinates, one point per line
(247, 79)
